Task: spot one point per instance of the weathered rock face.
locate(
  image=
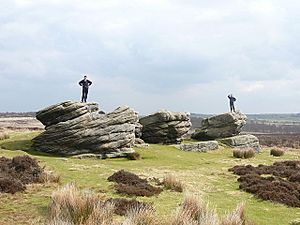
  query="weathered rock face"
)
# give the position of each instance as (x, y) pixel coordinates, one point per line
(165, 127)
(242, 141)
(74, 128)
(220, 126)
(138, 130)
(203, 146)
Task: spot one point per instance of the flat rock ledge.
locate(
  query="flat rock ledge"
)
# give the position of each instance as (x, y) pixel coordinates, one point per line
(203, 146)
(242, 141)
(74, 128)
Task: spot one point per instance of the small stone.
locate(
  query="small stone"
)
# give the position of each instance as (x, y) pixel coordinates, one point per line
(203, 146)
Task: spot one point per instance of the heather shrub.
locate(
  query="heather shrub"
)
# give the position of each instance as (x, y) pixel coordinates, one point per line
(132, 185)
(19, 171)
(122, 205)
(11, 185)
(279, 182)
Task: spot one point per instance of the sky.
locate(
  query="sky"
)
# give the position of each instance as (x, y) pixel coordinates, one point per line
(179, 55)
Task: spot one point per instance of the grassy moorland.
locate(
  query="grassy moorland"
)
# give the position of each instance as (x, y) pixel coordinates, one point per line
(205, 174)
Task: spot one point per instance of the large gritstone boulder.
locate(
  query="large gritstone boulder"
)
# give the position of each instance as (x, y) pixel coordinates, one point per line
(165, 127)
(220, 126)
(74, 128)
(242, 141)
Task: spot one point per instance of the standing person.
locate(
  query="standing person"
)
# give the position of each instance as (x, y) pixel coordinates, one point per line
(85, 84)
(231, 102)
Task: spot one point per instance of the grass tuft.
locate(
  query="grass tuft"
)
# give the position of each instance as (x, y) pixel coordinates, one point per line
(195, 212)
(76, 207)
(171, 182)
(50, 177)
(243, 153)
(133, 156)
(295, 222)
(237, 217)
(142, 215)
(4, 136)
(277, 152)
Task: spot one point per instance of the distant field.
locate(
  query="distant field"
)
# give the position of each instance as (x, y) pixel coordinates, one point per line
(20, 123)
(280, 140)
(205, 174)
(17, 114)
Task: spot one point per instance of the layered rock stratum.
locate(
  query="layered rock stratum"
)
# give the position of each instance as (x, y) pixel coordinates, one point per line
(242, 141)
(220, 126)
(74, 128)
(165, 127)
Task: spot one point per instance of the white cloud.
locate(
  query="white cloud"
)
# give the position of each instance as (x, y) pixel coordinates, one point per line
(251, 86)
(161, 52)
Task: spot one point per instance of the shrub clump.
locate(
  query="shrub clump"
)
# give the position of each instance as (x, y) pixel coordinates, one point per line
(171, 182)
(132, 185)
(279, 182)
(19, 171)
(11, 185)
(243, 153)
(277, 152)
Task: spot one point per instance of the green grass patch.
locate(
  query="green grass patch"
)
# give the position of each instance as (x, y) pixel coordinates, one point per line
(203, 173)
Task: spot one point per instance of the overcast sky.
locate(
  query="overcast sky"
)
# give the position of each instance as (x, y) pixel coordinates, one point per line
(181, 55)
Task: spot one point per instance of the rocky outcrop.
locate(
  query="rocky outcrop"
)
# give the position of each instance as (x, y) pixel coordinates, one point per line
(242, 141)
(203, 146)
(74, 128)
(138, 130)
(220, 126)
(165, 127)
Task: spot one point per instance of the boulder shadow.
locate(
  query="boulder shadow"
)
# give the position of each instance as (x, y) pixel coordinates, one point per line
(26, 146)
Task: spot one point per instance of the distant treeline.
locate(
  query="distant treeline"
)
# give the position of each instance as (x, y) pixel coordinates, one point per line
(17, 114)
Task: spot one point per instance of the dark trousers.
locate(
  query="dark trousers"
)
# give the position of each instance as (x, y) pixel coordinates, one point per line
(232, 108)
(85, 92)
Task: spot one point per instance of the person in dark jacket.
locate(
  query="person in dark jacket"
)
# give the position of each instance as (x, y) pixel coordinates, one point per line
(85, 84)
(231, 102)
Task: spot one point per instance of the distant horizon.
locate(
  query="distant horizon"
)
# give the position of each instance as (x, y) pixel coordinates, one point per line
(197, 113)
